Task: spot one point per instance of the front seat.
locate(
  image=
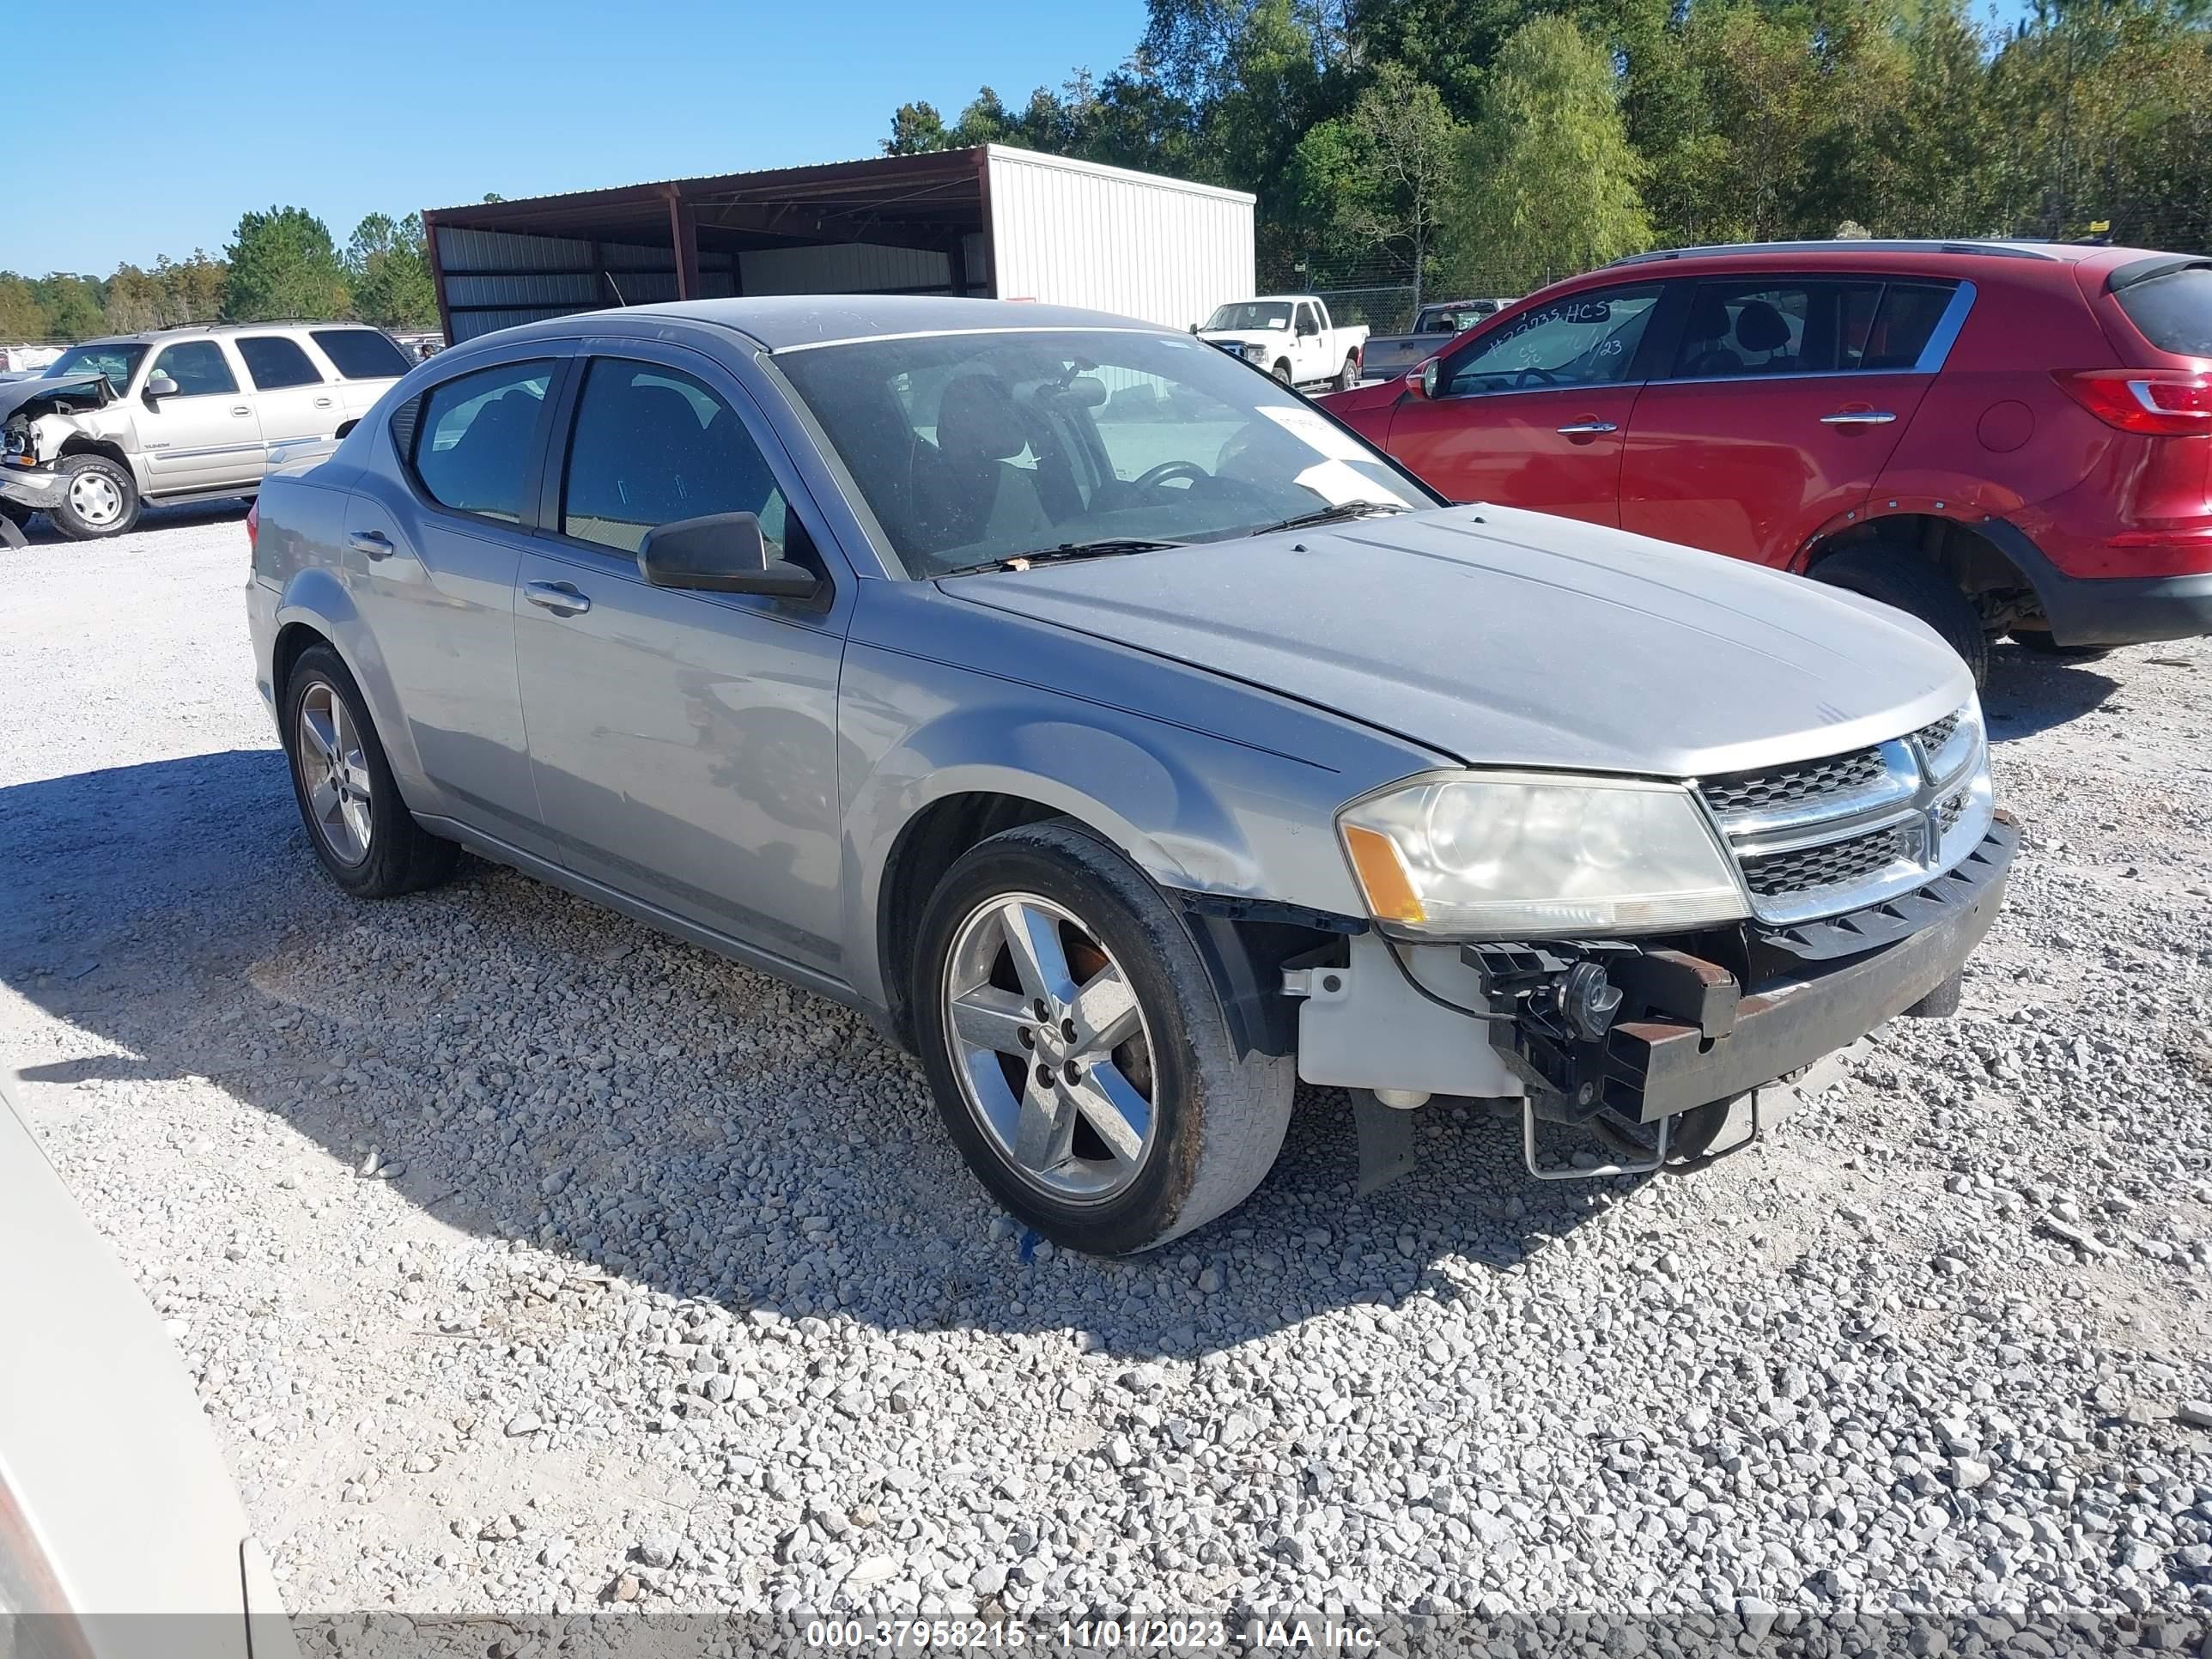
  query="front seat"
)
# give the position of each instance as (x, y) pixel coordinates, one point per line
(979, 432)
(1704, 352)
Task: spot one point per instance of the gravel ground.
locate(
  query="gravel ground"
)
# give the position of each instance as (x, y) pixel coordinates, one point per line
(528, 1261)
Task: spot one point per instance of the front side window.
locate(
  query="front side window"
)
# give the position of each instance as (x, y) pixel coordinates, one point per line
(653, 445)
(971, 449)
(475, 438)
(1806, 326)
(199, 367)
(118, 362)
(361, 354)
(275, 362)
(1583, 339)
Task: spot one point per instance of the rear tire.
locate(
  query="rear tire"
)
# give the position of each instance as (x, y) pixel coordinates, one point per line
(2042, 645)
(1162, 1125)
(363, 834)
(98, 498)
(1897, 576)
(1348, 376)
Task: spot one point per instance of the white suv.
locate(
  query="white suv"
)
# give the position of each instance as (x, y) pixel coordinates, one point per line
(179, 415)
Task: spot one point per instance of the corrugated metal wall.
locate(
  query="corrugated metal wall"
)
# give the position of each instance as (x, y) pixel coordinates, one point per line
(849, 268)
(1071, 232)
(496, 279)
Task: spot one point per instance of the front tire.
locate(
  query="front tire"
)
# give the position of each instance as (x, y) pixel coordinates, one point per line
(98, 498)
(1897, 576)
(1282, 371)
(1123, 1117)
(364, 836)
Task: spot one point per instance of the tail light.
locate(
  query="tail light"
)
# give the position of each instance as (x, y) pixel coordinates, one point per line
(2166, 402)
(253, 524)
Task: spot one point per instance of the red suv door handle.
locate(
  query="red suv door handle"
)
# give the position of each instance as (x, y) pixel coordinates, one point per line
(1858, 417)
(1586, 428)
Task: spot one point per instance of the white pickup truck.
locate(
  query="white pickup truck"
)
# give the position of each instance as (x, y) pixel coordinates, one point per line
(1290, 336)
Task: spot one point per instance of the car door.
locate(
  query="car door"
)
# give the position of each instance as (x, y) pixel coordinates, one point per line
(1531, 411)
(1780, 404)
(204, 435)
(434, 550)
(365, 362)
(684, 744)
(289, 394)
(1312, 350)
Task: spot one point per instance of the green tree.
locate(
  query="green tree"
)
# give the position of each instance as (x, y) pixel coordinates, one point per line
(916, 129)
(387, 267)
(1386, 170)
(21, 316)
(195, 286)
(75, 307)
(284, 264)
(1549, 179)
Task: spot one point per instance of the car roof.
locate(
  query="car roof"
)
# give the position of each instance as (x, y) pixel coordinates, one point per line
(188, 331)
(790, 322)
(1850, 252)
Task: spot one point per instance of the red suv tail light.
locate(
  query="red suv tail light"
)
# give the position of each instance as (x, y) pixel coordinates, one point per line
(2168, 403)
(253, 524)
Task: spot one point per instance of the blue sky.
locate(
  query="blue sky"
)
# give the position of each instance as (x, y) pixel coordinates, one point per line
(207, 111)
(193, 116)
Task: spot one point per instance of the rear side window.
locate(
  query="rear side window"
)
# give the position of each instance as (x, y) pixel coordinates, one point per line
(474, 439)
(1806, 326)
(2173, 311)
(275, 362)
(653, 445)
(197, 367)
(361, 354)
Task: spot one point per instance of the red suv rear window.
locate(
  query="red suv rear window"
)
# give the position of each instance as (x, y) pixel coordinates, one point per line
(2173, 311)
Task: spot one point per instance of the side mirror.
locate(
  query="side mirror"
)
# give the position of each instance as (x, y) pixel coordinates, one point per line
(159, 386)
(1422, 382)
(721, 553)
(1193, 328)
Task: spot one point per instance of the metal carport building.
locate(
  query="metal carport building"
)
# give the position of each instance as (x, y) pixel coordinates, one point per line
(992, 222)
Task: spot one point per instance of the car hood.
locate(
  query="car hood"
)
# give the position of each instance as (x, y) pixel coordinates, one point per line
(1247, 336)
(1501, 637)
(15, 393)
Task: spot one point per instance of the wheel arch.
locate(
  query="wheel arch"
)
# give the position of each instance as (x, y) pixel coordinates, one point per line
(1975, 563)
(79, 443)
(316, 609)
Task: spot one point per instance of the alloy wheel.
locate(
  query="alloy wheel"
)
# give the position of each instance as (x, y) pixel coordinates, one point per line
(335, 773)
(1051, 1047)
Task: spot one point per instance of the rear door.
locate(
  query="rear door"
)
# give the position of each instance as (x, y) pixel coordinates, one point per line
(434, 553)
(1782, 399)
(684, 744)
(1531, 412)
(367, 360)
(289, 394)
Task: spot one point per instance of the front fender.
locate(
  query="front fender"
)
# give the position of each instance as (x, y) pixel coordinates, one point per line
(1195, 811)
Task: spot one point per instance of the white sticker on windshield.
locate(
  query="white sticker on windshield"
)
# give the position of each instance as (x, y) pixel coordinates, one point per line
(1314, 429)
(1336, 483)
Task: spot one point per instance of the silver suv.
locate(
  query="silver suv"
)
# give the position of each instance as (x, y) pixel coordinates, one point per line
(178, 415)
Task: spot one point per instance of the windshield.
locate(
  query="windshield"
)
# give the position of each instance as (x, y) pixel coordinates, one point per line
(972, 448)
(1251, 313)
(116, 359)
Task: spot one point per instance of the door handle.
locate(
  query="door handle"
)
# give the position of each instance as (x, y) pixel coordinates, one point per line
(322, 403)
(1858, 417)
(1584, 428)
(241, 410)
(559, 597)
(375, 543)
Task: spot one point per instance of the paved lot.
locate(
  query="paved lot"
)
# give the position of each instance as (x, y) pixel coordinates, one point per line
(524, 1258)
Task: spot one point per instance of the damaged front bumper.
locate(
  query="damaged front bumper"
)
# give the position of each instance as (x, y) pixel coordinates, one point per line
(1639, 1031)
(35, 487)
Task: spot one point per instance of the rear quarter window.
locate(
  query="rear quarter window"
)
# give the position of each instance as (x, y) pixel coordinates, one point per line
(2173, 311)
(361, 354)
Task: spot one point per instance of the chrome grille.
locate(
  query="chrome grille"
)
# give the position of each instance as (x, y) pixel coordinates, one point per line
(1818, 837)
(1831, 864)
(1786, 786)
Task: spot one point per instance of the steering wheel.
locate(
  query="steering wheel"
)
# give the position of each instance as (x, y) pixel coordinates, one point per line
(1159, 475)
(1534, 376)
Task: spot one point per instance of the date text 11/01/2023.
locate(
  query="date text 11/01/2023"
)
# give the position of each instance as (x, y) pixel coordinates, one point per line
(1313, 1635)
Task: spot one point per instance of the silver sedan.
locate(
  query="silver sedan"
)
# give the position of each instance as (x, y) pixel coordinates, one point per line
(1127, 736)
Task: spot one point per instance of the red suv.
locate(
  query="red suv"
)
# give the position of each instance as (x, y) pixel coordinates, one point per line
(2001, 438)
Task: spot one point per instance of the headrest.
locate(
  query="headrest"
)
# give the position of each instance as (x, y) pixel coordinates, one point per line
(1760, 327)
(976, 421)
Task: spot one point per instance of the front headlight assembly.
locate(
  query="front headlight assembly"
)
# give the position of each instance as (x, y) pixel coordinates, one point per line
(1532, 855)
